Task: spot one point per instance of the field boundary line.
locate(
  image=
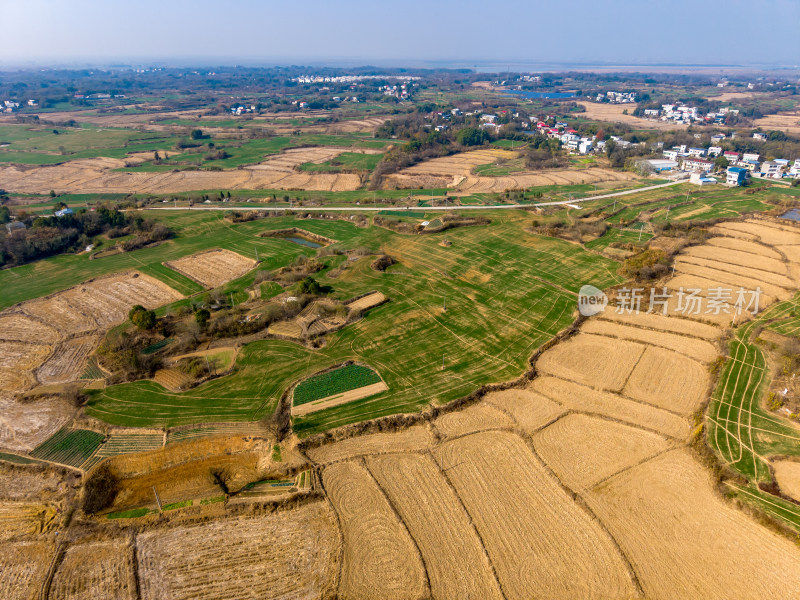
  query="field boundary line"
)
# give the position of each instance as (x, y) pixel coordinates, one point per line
(443, 473)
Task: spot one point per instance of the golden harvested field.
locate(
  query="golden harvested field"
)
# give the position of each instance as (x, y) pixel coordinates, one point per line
(95, 571)
(725, 96)
(287, 554)
(25, 426)
(472, 184)
(366, 302)
(728, 281)
(693, 348)
(685, 542)
(614, 113)
(663, 323)
(740, 263)
(583, 450)
(97, 176)
(742, 246)
(593, 360)
(290, 329)
(769, 277)
(22, 355)
(787, 474)
(583, 399)
(745, 256)
(414, 438)
(212, 268)
(190, 479)
(459, 164)
(380, 558)
(289, 159)
(23, 519)
(541, 543)
(530, 410)
(765, 231)
(456, 563)
(668, 380)
(478, 417)
(172, 379)
(788, 122)
(24, 567)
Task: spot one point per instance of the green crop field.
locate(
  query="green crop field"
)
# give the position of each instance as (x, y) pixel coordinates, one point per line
(627, 236)
(506, 293)
(739, 429)
(71, 447)
(334, 382)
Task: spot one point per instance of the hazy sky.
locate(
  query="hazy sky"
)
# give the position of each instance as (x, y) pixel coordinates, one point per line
(375, 31)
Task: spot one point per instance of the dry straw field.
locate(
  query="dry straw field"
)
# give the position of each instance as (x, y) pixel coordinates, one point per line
(99, 175)
(95, 570)
(455, 172)
(283, 555)
(48, 338)
(212, 268)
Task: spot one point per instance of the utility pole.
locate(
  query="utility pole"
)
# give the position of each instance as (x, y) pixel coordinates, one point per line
(444, 303)
(158, 500)
(442, 366)
(257, 259)
(641, 229)
(232, 303)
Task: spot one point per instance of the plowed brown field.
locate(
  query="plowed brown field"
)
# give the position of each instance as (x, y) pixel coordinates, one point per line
(101, 570)
(24, 567)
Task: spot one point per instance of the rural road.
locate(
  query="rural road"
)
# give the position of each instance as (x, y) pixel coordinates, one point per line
(425, 208)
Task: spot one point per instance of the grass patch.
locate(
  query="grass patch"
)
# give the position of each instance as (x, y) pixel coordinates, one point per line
(134, 513)
(214, 500)
(175, 505)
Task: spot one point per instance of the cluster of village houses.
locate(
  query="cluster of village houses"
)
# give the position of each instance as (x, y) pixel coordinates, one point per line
(681, 114)
(741, 166)
(11, 106)
(616, 97)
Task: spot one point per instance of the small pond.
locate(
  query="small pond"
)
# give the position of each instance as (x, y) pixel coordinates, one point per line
(303, 242)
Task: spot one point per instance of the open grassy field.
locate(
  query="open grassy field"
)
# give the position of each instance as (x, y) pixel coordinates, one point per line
(740, 429)
(487, 332)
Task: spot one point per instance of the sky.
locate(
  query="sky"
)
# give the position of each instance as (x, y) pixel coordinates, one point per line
(409, 32)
